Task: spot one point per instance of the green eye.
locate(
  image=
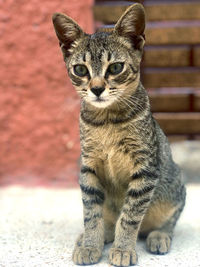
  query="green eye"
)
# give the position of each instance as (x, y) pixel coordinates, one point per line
(115, 68)
(80, 70)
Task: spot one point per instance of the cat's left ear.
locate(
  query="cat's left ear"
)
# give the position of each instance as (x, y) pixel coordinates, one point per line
(132, 25)
(67, 31)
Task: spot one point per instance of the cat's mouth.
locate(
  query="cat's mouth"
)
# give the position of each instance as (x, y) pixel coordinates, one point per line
(100, 102)
(99, 99)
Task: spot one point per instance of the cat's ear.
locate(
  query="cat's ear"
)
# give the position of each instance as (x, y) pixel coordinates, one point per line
(132, 25)
(67, 31)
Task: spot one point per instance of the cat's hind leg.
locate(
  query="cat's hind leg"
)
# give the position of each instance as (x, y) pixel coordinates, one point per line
(110, 218)
(160, 219)
(109, 234)
(158, 242)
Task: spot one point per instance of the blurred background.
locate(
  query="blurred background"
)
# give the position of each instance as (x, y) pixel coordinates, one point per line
(39, 109)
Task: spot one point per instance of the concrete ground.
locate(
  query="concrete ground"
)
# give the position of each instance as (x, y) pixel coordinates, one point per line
(187, 155)
(38, 227)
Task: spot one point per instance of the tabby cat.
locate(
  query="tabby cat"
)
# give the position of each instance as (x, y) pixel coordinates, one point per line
(129, 182)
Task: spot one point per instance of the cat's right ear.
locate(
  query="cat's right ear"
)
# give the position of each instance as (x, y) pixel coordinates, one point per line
(67, 31)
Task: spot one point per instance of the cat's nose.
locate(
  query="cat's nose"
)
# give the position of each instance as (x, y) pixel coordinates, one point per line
(97, 90)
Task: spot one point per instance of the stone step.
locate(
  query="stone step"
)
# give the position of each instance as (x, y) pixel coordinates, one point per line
(197, 102)
(179, 123)
(196, 56)
(171, 77)
(168, 56)
(174, 32)
(171, 33)
(172, 10)
(174, 99)
(170, 99)
(110, 11)
(171, 56)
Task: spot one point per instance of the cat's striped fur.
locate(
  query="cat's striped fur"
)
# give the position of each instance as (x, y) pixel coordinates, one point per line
(129, 182)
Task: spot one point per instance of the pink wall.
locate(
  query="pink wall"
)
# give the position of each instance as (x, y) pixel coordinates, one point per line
(39, 139)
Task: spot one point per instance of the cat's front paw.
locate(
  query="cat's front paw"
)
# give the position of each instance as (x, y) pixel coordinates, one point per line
(86, 255)
(120, 257)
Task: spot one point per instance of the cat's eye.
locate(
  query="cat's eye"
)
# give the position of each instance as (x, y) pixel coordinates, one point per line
(115, 68)
(80, 70)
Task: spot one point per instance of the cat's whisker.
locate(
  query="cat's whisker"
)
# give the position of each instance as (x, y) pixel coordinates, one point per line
(126, 103)
(130, 97)
(133, 105)
(135, 100)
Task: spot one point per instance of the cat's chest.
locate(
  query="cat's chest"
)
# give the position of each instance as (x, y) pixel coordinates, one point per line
(107, 154)
(105, 141)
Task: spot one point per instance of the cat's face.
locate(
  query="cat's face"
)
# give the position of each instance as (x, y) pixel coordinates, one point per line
(103, 67)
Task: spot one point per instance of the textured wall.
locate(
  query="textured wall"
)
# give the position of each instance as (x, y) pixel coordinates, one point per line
(38, 107)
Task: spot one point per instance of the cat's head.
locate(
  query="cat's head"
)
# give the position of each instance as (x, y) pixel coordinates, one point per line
(104, 66)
